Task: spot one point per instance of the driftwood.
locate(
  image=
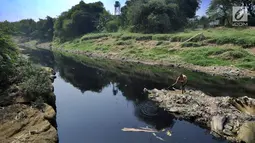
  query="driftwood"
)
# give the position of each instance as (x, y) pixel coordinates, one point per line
(158, 137)
(148, 130)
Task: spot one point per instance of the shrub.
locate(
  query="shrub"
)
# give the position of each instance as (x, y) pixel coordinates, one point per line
(128, 42)
(143, 37)
(191, 44)
(112, 26)
(94, 36)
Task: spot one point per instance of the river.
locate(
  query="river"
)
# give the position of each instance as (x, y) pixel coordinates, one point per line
(94, 105)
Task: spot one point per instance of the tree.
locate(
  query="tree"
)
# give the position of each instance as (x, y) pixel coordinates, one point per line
(105, 17)
(157, 16)
(204, 21)
(222, 9)
(80, 19)
(44, 29)
(26, 26)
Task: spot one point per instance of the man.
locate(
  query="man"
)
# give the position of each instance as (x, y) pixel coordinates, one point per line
(183, 80)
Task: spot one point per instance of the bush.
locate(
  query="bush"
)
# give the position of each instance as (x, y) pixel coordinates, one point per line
(232, 55)
(8, 56)
(34, 81)
(161, 37)
(126, 37)
(112, 26)
(94, 36)
(191, 44)
(129, 42)
(143, 37)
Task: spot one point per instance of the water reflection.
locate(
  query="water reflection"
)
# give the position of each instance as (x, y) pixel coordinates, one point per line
(93, 105)
(88, 79)
(39, 56)
(92, 79)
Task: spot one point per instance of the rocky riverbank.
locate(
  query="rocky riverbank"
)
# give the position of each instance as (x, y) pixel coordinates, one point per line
(227, 117)
(25, 120)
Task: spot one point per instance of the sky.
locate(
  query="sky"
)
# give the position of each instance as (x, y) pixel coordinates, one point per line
(15, 10)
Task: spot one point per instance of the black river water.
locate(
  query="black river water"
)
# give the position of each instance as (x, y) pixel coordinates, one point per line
(94, 105)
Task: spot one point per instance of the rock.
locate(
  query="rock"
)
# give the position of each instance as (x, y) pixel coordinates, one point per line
(228, 132)
(217, 123)
(173, 110)
(49, 112)
(228, 127)
(21, 123)
(247, 132)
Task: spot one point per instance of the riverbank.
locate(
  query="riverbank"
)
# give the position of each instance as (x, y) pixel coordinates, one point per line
(28, 110)
(214, 51)
(27, 102)
(213, 85)
(228, 117)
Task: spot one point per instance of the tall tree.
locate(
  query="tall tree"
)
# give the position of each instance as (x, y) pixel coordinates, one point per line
(158, 16)
(222, 9)
(80, 19)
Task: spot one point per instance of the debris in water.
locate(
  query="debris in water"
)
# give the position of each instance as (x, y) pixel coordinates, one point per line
(139, 130)
(158, 137)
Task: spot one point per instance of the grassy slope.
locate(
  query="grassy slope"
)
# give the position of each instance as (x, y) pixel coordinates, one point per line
(217, 47)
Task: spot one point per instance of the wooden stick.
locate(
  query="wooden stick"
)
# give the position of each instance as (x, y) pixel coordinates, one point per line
(188, 39)
(139, 130)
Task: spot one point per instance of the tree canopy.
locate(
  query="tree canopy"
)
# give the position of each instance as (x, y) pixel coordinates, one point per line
(80, 19)
(43, 29)
(142, 16)
(158, 16)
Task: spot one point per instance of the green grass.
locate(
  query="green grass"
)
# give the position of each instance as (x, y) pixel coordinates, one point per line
(212, 56)
(210, 50)
(241, 37)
